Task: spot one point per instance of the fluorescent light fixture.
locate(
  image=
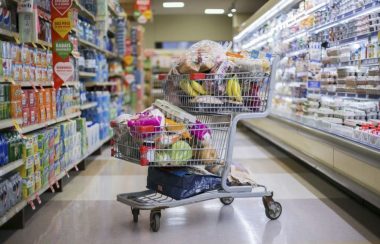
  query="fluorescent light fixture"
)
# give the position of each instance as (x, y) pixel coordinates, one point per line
(233, 10)
(230, 15)
(173, 4)
(214, 11)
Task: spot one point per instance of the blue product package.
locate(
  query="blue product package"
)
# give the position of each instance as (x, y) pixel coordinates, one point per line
(181, 182)
(2, 161)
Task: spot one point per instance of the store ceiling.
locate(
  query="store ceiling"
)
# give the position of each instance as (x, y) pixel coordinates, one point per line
(198, 6)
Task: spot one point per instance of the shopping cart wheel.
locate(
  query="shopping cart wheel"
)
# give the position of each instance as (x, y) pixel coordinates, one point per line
(135, 213)
(273, 209)
(226, 200)
(155, 217)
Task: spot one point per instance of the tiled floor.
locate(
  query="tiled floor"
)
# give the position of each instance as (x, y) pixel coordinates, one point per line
(313, 210)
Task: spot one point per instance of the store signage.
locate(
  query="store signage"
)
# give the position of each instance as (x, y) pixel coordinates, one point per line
(61, 6)
(142, 11)
(64, 70)
(314, 84)
(62, 26)
(62, 47)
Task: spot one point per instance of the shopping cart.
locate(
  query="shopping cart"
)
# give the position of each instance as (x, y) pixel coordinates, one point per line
(231, 98)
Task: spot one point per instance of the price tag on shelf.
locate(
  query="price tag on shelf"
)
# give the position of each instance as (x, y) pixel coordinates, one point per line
(57, 184)
(37, 197)
(17, 126)
(67, 173)
(17, 40)
(34, 45)
(31, 203)
(52, 188)
(76, 168)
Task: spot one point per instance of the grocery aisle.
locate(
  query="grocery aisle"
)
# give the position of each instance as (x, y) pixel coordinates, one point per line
(313, 210)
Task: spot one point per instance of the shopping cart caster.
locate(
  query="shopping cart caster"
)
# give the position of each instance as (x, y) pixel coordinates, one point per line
(273, 209)
(226, 200)
(135, 213)
(155, 217)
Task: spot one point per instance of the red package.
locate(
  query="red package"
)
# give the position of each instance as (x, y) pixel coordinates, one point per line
(53, 111)
(33, 118)
(40, 98)
(42, 114)
(47, 100)
(25, 116)
(48, 113)
(53, 96)
(32, 94)
(25, 99)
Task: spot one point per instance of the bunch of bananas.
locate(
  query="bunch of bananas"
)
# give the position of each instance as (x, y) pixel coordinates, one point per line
(233, 89)
(192, 88)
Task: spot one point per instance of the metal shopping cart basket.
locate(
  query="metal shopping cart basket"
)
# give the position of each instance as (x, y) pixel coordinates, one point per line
(223, 102)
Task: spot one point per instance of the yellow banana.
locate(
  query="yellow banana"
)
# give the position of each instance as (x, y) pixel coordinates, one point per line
(229, 88)
(236, 90)
(186, 87)
(198, 88)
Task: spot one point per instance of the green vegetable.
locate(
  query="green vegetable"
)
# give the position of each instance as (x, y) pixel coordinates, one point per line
(181, 151)
(162, 158)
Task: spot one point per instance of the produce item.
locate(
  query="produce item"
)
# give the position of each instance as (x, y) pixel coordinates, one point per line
(207, 155)
(186, 87)
(163, 158)
(180, 152)
(173, 126)
(198, 87)
(233, 89)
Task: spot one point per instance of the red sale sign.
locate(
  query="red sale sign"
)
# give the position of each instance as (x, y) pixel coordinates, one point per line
(62, 47)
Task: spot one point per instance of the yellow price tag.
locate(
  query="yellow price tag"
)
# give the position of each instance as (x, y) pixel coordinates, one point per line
(43, 47)
(11, 80)
(17, 40)
(17, 126)
(34, 45)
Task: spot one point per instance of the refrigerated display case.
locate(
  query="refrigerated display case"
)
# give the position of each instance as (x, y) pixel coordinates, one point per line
(327, 88)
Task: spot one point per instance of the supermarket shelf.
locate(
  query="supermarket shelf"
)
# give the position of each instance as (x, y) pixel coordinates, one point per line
(111, 75)
(298, 52)
(305, 14)
(117, 94)
(10, 166)
(8, 123)
(46, 84)
(340, 19)
(84, 11)
(71, 83)
(83, 74)
(44, 43)
(107, 53)
(31, 128)
(10, 34)
(107, 83)
(112, 9)
(88, 105)
(363, 62)
(333, 174)
(367, 151)
(21, 205)
(12, 212)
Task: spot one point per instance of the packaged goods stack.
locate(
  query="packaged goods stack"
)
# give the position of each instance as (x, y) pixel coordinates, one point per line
(328, 77)
(43, 135)
(134, 60)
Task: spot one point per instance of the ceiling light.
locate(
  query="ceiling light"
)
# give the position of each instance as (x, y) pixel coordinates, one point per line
(214, 11)
(230, 15)
(233, 10)
(173, 4)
